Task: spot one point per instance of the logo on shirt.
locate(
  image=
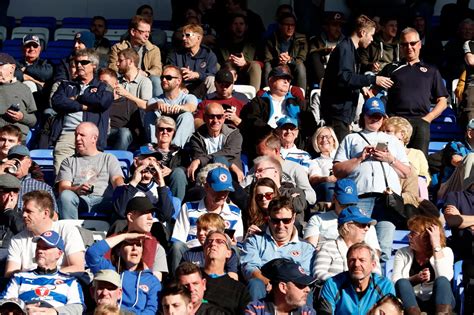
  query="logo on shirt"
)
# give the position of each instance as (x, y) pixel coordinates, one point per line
(42, 291)
(58, 282)
(295, 253)
(423, 69)
(144, 287)
(203, 65)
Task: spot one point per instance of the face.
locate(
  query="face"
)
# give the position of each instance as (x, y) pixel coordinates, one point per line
(176, 305)
(357, 231)
(296, 294)
(265, 169)
(287, 27)
(196, 285)
(386, 309)
(46, 256)
(170, 80)
(334, 30)
(288, 133)
(419, 242)
(98, 28)
(141, 221)
(224, 89)
(325, 141)
(6, 142)
(85, 139)
(390, 29)
(123, 64)
(131, 252)
(214, 118)
(85, 68)
(217, 198)
(419, 24)
(465, 31)
(373, 122)
(392, 131)
(33, 216)
(191, 39)
(164, 133)
(25, 164)
(6, 73)
(263, 196)
(238, 27)
(106, 293)
(146, 12)
(215, 247)
(411, 46)
(31, 51)
(207, 4)
(108, 79)
(360, 264)
(140, 34)
(282, 225)
(79, 45)
(366, 37)
(279, 86)
(147, 176)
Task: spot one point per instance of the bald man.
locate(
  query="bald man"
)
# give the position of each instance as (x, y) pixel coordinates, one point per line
(87, 180)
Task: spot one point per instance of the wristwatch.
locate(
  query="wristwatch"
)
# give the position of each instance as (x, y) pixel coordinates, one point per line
(437, 249)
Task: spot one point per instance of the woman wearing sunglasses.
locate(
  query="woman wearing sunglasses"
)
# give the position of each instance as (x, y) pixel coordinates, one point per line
(331, 259)
(423, 270)
(264, 190)
(140, 287)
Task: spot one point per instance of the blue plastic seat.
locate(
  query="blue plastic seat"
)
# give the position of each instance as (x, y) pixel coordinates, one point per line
(125, 158)
(76, 22)
(39, 21)
(44, 158)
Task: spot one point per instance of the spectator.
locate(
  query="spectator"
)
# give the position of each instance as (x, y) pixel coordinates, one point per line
(38, 218)
(18, 105)
(320, 172)
(224, 95)
(75, 104)
(286, 47)
(176, 299)
(12, 306)
(11, 221)
(253, 20)
(198, 64)
(125, 122)
(262, 192)
(140, 287)
(331, 257)
(53, 291)
(287, 130)
(464, 88)
(150, 60)
(102, 44)
(107, 288)
(174, 102)
(431, 47)
(193, 15)
(279, 240)
(86, 180)
(388, 304)
(342, 83)
(423, 270)
(157, 36)
(373, 168)
(290, 289)
(340, 294)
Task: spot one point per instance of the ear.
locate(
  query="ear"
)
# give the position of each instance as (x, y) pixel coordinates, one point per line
(204, 284)
(228, 254)
(129, 217)
(282, 286)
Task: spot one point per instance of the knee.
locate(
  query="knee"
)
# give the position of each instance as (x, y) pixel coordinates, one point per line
(185, 118)
(68, 197)
(254, 67)
(178, 173)
(403, 285)
(441, 282)
(300, 68)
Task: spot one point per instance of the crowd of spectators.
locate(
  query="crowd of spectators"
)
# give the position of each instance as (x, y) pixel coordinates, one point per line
(277, 204)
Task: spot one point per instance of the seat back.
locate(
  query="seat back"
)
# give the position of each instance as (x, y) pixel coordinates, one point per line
(248, 90)
(67, 33)
(99, 228)
(42, 32)
(125, 159)
(115, 34)
(44, 158)
(3, 33)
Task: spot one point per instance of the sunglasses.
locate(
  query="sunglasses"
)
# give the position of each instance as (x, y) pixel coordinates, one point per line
(150, 170)
(215, 116)
(188, 35)
(34, 45)
(267, 196)
(261, 170)
(82, 62)
(167, 129)
(142, 31)
(361, 225)
(412, 44)
(278, 221)
(168, 77)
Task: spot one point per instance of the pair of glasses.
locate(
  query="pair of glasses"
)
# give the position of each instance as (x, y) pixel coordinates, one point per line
(167, 129)
(34, 45)
(267, 196)
(218, 241)
(187, 35)
(142, 31)
(412, 44)
(325, 137)
(150, 170)
(277, 221)
(82, 62)
(261, 170)
(215, 116)
(167, 77)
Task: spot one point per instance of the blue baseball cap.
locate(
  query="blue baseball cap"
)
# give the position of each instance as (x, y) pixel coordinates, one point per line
(287, 120)
(18, 149)
(220, 179)
(86, 37)
(149, 150)
(353, 214)
(374, 105)
(52, 239)
(346, 191)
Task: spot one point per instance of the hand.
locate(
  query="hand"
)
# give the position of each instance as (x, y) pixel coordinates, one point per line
(236, 170)
(456, 160)
(238, 61)
(14, 115)
(332, 179)
(384, 82)
(367, 93)
(10, 202)
(34, 309)
(137, 175)
(83, 189)
(451, 210)
(165, 170)
(434, 234)
(424, 275)
(121, 91)
(174, 109)
(284, 58)
(375, 67)
(192, 169)
(135, 236)
(383, 156)
(159, 178)
(5, 165)
(188, 74)
(230, 115)
(367, 152)
(253, 229)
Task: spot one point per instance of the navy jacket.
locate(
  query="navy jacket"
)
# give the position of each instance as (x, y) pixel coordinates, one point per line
(98, 97)
(204, 62)
(40, 70)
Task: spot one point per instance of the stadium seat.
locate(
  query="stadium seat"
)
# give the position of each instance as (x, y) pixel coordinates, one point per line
(67, 33)
(248, 90)
(169, 37)
(458, 287)
(76, 22)
(42, 32)
(118, 24)
(44, 158)
(99, 228)
(125, 158)
(39, 21)
(163, 24)
(64, 43)
(436, 146)
(3, 33)
(115, 34)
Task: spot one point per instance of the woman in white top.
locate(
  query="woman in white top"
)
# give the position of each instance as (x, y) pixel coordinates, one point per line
(423, 270)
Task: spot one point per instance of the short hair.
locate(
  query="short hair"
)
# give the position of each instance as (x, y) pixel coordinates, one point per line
(211, 220)
(130, 53)
(202, 174)
(271, 141)
(166, 120)
(279, 203)
(175, 288)
(42, 198)
(421, 223)
(107, 309)
(12, 130)
(108, 71)
(385, 19)
(362, 245)
(238, 15)
(99, 17)
(195, 28)
(242, 3)
(363, 22)
(274, 162)
(136, 20)
(408, 30)
(401, 125)
(283, 7)
(89, 53)
(187, 268)
(314, 139)
(343, 229)
(388, 299)
(143, 7)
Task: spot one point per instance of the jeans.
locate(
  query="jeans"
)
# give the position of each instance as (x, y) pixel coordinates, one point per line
(119, 138)
(442, 293)
(71, 205)
(177, 251)
(324, 191)
(184, 127)
(156, 85)
(420, 139)
(178, 181)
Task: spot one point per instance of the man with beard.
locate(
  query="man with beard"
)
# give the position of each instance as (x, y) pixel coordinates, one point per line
(355, 291)
(174, 102)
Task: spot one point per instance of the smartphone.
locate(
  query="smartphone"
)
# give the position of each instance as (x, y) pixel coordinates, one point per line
(226, 107)
(229, 232)
(381, 146)
(14, 107)
(239, 54)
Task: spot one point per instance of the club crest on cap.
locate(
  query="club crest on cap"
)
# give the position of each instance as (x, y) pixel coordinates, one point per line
(348, 190)
(301, 270)
(375, 103)
(47, 233)
(223, 178)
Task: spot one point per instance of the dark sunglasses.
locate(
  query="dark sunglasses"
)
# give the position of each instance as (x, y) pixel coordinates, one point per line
(187, 35)
(213, 116)
(167, 129)
(361, 225)
(82, 62)
(278, 221)
(412, 44)
(267, 196)
(34, 45)
(150, 170)
(168, 77)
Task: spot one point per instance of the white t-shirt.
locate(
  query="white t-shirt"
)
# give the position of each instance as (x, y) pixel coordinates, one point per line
(214, 144)
(277, 113)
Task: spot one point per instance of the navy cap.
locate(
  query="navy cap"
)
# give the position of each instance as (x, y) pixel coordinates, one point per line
(374, 105)
(353, 214)
(19, 149)
(8, 181)
(280, 72)
(87, 38)
(6, 59)
(149, 150)
(224, 76)
(220, 179)
(286, 270)
(334, 16)
(31, 39)
(346, 191)
(140, 204)
(52, 239)
(287, 120)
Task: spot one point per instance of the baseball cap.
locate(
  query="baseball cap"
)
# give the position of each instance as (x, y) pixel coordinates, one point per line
(287, 120)
(280, 72)
(374, 105)
(18, 149)
(108, 275)
(470, 125)
(352, 213)
(149, 150)
(224, 76)
(6, 59)
(286, 270)
(52, 239)
(87, 38)
(141, 204)
(346, 191)
(13, 302)
(31, 39)
(8, 181)
(220, 179)
(334, 16)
